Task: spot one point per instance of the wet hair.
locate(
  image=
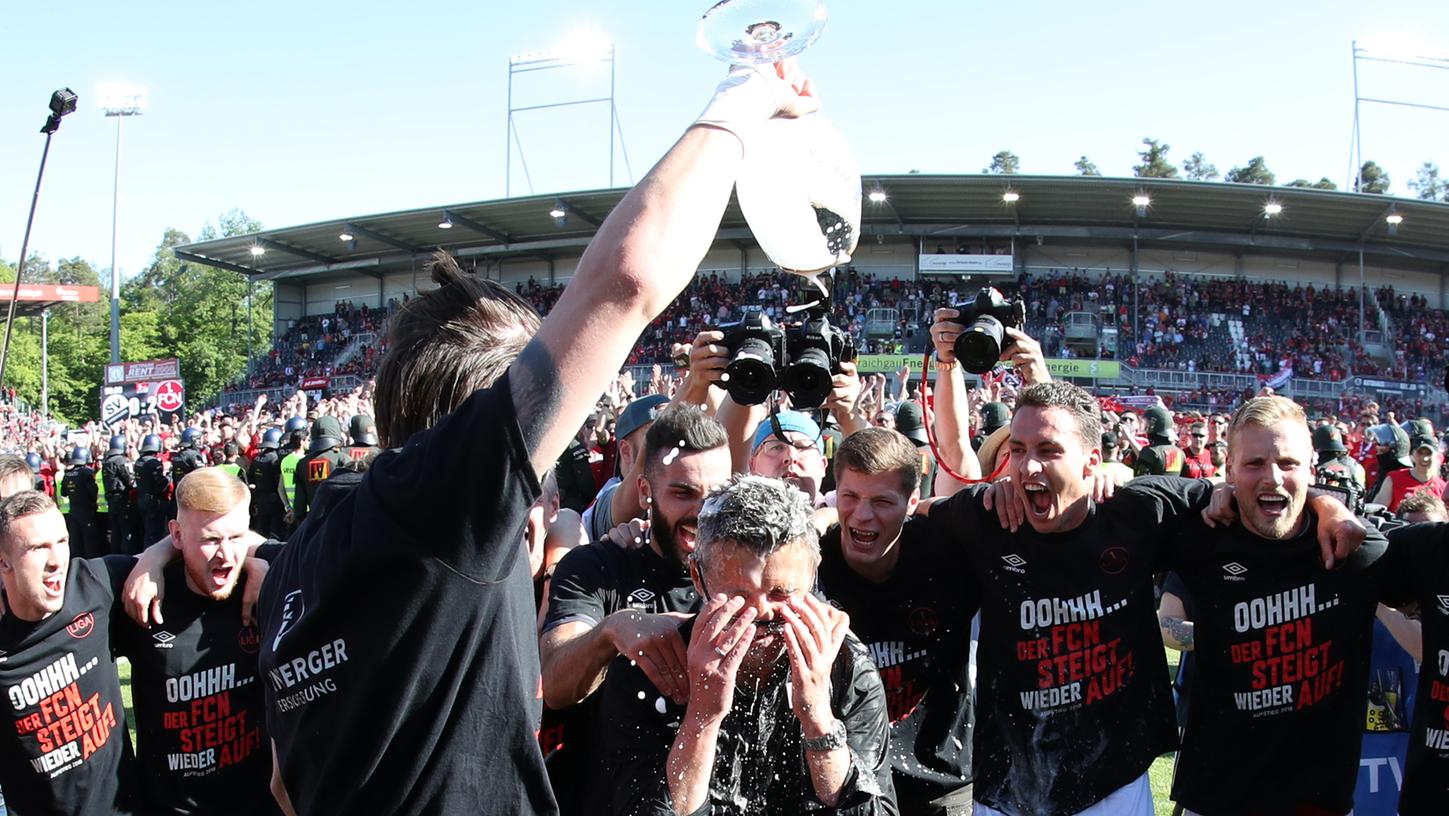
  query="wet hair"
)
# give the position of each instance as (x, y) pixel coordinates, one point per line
(758, 513)
(1426, 503)
(18, 506)
(211, 490)
(1264, 412)
(1076, 402)
(880, 450)
(684, 427)
(444, 345)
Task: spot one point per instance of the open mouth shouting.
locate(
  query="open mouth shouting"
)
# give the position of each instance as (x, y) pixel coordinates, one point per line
(1273, 505)
(1038, 499)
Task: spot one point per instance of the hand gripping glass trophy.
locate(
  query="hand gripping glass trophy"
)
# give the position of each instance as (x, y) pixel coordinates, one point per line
(799, 187)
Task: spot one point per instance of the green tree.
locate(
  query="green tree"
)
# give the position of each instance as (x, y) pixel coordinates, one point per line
(1427, 185)
(196, 313)
(1254, 172)
(1372, 179)
(1086, 168)
(1324, 183)
(1154, 161)
(1198, 168)
(1004, 163)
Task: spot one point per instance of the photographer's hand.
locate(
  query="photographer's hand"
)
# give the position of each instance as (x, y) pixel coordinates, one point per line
(708, 358)
(844, 394)
(944, 333)
(1026, 355)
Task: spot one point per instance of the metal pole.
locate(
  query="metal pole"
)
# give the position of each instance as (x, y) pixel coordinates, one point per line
(1356, 163)
(20, 265)
(613, 114)
(1362, 288)
(115, 273)
(45, 363)
(249, 327)
(508, 140)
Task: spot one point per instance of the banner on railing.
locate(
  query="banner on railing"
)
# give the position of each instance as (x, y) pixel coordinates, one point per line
(315, 383)
(1388, 385)
(967, 264)
(1277, 380)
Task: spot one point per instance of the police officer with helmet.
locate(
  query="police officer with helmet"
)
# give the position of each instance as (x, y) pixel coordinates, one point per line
(323, 457)
(120, 486)
(295, 433)
(32, 460)
(264, 475)
(364, 438)
(153, 490)
(1335, 466)
(187, 458)
(79, 488)
(1162, 456)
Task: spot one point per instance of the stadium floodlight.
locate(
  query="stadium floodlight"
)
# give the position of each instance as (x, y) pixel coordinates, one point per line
(1394, 219)
(878, 196)
(118, 100)
(345, 235)
(1272, 208)
(258, 250)
(559, 212)
(1141, 202)
(1011, 196)
(446, 223)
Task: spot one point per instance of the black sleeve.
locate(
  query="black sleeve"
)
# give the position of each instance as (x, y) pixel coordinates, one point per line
(576, 592)
(1414, 558)
(114, 569)
(465, 485)
(861, 705)
(961, 515)
(270, 550)
(636, 744)
(1173, 583)
(1167, 503)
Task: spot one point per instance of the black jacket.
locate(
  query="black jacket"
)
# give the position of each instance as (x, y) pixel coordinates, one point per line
(116, 474)
(759, 765)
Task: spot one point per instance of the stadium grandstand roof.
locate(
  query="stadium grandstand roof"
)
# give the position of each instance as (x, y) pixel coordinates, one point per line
(929, 208)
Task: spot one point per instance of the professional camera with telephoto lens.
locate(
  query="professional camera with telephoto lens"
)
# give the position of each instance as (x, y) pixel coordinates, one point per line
(801, 359)
(986, 318)
(1341, 486)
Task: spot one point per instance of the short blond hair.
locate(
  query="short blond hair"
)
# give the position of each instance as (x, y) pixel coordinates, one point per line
(211, 490)
(1265, 412)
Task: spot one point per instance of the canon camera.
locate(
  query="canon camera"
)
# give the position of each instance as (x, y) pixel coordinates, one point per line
(986, 318)
(800, 359)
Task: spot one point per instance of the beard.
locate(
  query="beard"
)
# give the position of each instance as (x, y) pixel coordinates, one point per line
(202, 578)
(661, 532)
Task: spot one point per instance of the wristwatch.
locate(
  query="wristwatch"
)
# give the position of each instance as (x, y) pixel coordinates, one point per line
(832, 739)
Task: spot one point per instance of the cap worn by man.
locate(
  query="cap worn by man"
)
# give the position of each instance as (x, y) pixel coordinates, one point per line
(639, 413)
(786, 421)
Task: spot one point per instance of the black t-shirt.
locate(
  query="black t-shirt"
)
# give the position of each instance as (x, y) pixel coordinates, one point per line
(1282, 650)
(399, 644)
(67, 752)
(1072, 694)
(916, 626)
(1417, 568)
(589, 584)
(198, 705)
(759, 767)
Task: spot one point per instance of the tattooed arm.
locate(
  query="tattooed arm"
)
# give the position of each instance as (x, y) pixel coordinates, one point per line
(1176, 628)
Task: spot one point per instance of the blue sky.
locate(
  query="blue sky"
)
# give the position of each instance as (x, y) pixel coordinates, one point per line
(307, 111)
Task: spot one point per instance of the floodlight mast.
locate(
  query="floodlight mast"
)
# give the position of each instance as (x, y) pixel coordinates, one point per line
(587, 52)
(1397, 54)
(118, 101)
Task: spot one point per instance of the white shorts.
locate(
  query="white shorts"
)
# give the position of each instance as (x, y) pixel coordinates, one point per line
(1132, 799)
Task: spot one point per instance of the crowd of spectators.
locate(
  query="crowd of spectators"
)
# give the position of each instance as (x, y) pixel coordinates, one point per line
(1169, 321)
(311, 345)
